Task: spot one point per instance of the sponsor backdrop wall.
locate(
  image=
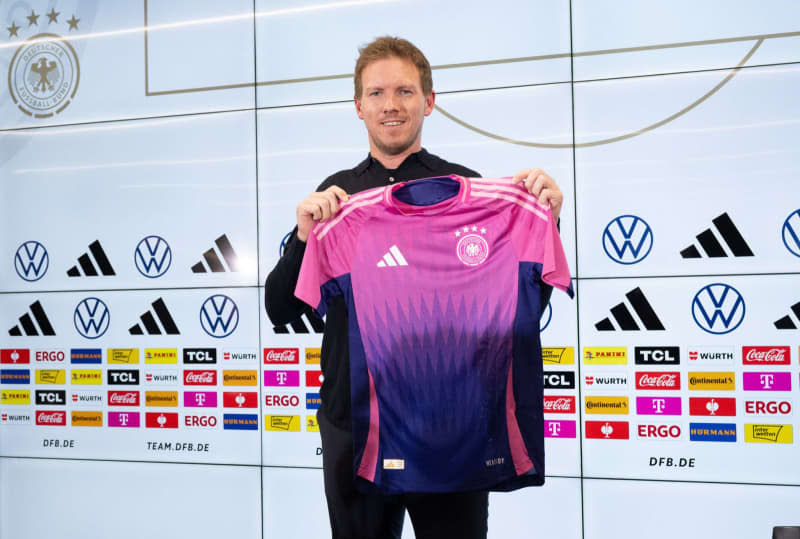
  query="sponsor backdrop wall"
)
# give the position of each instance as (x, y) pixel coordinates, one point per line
(151, 157)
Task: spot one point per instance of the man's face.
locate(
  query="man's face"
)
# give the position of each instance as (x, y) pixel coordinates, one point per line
(392, 105)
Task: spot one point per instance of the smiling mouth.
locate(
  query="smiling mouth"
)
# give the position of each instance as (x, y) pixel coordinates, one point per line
(392, 123)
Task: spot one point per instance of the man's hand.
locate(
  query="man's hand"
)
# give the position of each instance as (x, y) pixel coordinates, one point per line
(542, 186)
(319, 206)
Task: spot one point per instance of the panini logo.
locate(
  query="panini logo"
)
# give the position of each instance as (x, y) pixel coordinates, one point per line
(605, 355)
(10, 376)
(282, 423)
(51, 376)
(715, 381)
(768, 434)
(606, 405)
(86, 377)
(711, 354)
(161, 355)
(564, 355)
(712, 432)
(314, 401)
(161, 398)
(239, 355)
(313, 356)
(240, 378)
(311, 424)
(657, 355)
(606, 381)
(86, 355)
(87, 419)
(129, 356)
(22, 396)
(86, 398)
(240, 421)
(282, 356)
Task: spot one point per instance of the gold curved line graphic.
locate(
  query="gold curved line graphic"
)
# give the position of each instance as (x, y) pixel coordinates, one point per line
(643, 130)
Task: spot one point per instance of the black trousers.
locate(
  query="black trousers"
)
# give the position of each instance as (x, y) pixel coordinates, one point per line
(354, 515)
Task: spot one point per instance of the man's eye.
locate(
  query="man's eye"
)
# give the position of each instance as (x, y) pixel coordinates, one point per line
(374, 93)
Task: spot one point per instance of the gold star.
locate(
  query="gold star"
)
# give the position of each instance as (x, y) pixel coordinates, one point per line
(73, 23)
(53, 15)
(12, 30)
(33, 18)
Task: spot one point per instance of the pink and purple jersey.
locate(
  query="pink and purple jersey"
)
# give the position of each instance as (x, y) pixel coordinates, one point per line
(442, 278)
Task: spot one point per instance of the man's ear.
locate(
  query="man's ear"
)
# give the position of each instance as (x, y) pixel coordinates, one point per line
(429, 102)
(358, 108)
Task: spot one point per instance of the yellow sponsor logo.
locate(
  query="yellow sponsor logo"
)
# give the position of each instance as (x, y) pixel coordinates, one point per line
(15, 396)
(313, 355)
(240, 378)
(50, 376)
(311, 423)
(768, 434)
(90, 377)
(394, 464)
(127, 356)
(605, 355)
(161, 398)
(606, 405)
(160, 355)
(725, 381)
(564, 355)
(87, 419)
(282, 423)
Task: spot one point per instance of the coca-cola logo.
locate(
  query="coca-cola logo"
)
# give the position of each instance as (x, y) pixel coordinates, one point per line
(658, 380)
(123, 398)
(554, 404)
(51, 418)
(759, 355)
(281, 355)
(200, 378)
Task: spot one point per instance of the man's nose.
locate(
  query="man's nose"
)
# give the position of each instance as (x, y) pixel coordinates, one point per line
(389, 103)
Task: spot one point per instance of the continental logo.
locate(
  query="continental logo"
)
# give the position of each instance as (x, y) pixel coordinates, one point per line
(51, 376)
(564, 355)
(19, 396)
(605, 355)
(240, 378)
(125, 356)
(720, 381)
(606, 405)
(311, 424)
(282, 423)
(86, 377)
(767, 434)
(313, 355)
(161, 398)
(87, 419)
(161, 356)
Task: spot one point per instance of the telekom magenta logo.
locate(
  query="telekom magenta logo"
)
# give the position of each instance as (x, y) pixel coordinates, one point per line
(658, 405)
(281, 378)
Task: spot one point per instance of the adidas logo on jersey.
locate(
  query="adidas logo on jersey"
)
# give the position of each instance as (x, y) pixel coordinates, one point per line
(393, 258)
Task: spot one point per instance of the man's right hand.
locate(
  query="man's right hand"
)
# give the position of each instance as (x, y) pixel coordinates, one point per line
(319, 206)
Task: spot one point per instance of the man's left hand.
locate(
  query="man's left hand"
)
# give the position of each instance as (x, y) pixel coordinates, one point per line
(543, 187)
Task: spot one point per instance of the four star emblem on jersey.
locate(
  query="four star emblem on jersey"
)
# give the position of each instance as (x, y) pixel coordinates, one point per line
(472, 248)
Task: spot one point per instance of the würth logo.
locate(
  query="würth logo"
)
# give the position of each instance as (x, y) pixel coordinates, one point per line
(393, 258)
(90, 269)
(302, 325)
(153, 256)
(149, 321)
(27, 325)
(627, 239)
(31, 261)
(712, 247)
(787, 322)
(212, 260)
(624, 318)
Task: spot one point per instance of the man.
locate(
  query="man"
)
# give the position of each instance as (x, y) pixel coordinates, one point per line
(393, 95)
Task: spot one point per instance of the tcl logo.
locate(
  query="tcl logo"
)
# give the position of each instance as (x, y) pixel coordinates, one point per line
(51, 397)
(767, 407)
(200, 420)
(49, 356)
(659, 431)
(200, 355)
(123, 377)
(766, 355)
(559, 380)
(648, 355)
(282, 400)
(281, 356)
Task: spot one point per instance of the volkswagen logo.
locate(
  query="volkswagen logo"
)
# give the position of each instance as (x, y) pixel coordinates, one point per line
(92, 318)
(547, 315)
(718, 308)
(627, 239)
(219, 316)
(791, 233)
(31, 261)
(284, 241)
(152, 256)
